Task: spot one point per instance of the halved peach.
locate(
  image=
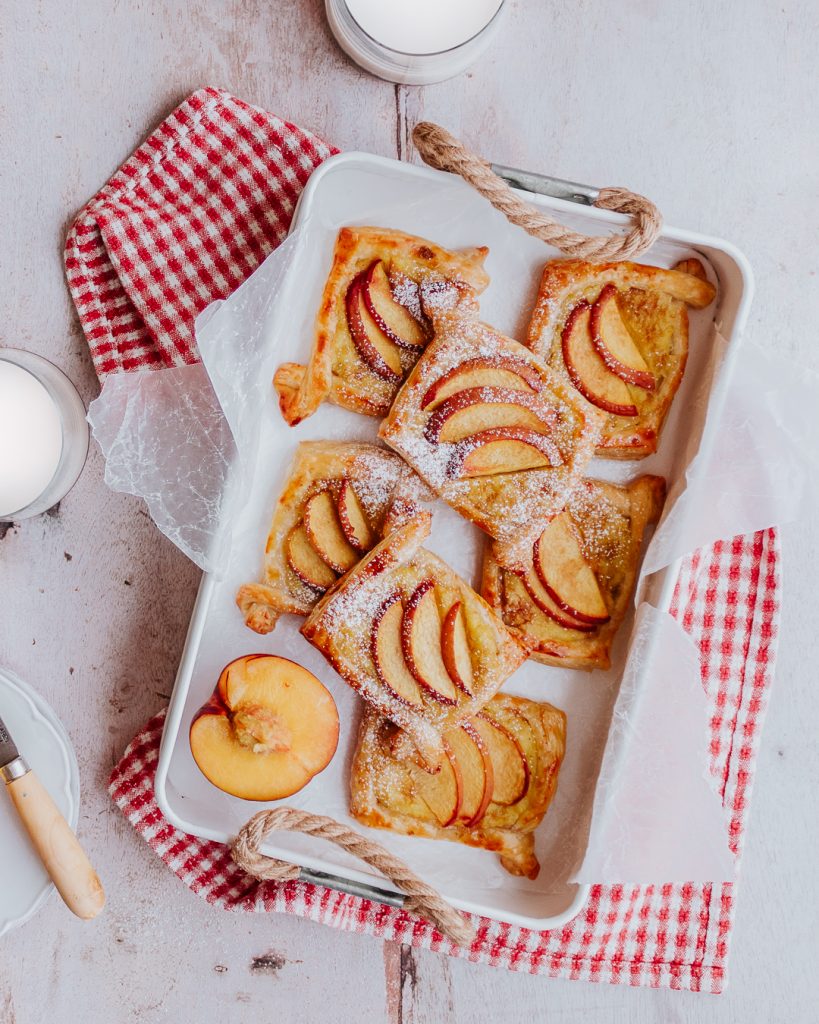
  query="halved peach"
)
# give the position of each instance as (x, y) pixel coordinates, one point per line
(503, 450)
(421, 643)
(477, 776)
(269, 727)
(326, 535)
(393, 319)
(587, 371)
(614, 343)
(475, 409)
(455, 649)
(374, 347)
(387, 654)
(563, 570)
(483, 371)
(510, 769)
(353, 521)
(306, 562)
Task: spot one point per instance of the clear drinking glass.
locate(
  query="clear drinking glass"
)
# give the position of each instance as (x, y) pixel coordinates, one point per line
(43, 434)
(414, 43)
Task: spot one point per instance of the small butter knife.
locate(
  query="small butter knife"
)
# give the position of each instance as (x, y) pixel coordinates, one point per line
(56, 844)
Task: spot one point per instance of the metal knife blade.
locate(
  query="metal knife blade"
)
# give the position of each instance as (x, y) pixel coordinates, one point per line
(8, 749)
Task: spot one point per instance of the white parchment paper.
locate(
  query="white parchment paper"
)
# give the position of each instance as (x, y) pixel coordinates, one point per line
(635, 802)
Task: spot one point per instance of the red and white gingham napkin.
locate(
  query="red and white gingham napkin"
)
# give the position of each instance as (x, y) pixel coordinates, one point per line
(185, 221)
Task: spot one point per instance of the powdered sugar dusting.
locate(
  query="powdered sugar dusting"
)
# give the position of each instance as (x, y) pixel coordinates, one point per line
(350, 613)
(408, 293)
(604, 527)
(374, 475)
(442, 296)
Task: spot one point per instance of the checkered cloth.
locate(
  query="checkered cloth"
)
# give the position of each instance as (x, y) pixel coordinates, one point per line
(188, 218)
(185, 221)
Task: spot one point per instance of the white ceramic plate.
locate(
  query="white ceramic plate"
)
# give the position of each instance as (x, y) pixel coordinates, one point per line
(44, 743)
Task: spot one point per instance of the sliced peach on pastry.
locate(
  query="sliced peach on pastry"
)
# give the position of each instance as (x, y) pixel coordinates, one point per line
(394, 320)
(566, 575)
(510, 769)
(353, 521)
(477, 777)
(483, 371)
(527, 738)
(375, 348)
(455, 649)
(440, 791)
(503, 450)
(542, 599)
(421, 644)
(587, 371)
(474, 409)
(614, 343)
(387, 653)
(326, 535)
(407, 293)
(269, 727)
(306, 562)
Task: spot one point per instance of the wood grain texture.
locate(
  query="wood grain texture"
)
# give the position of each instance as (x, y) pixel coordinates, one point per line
(705, 108)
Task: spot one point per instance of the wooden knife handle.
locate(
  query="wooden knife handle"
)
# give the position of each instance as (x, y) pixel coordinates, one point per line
(58, 847)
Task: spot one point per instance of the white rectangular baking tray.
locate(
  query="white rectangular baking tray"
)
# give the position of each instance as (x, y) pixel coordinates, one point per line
(358, 188)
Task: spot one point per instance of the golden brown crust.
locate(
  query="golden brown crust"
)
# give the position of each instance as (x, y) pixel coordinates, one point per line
(611, 522)
(290, 378)
(260, 606)
(378, 477)
(383, 794)
(340, 626)
(334, 370)
(509, 506)
(653, 302)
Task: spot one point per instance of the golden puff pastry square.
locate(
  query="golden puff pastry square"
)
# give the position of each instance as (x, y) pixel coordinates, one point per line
(618, 334)
(492, 790)
(413, 639)
(336, 501)
(489, 427)
(370, 327)
(569, 598)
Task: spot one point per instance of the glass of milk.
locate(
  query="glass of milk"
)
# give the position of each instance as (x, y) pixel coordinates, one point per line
(417, 42)
(43, 435)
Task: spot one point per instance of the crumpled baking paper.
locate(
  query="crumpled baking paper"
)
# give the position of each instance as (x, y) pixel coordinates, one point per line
(164, 438)
(651, 789)
(757, 464)
(641, 808)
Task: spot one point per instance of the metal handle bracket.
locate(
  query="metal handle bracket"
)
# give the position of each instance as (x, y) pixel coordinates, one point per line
(545, 185)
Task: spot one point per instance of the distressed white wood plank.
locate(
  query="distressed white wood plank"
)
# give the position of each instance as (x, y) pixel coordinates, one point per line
(101, 600)
(670, 100)
(703, 107)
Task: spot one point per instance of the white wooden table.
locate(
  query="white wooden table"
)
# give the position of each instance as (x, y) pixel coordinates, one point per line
(705, 107)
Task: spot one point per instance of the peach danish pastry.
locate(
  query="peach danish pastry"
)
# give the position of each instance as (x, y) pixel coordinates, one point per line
(495, 783)
(618, 334)
(334, 504)
(567, 599)
(488, 426)
(370, 328)
(413, 639)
